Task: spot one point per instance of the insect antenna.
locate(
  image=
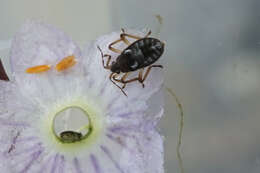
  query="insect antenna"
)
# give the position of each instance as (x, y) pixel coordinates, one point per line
(107, 66)
(100, 51)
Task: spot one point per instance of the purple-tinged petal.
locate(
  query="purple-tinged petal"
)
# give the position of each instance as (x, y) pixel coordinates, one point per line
(45, 164)
(38, 43)
(95, 163)
(61, 164)
(55, 163)
(126, 141)
(77, 165)
(6, 122)
(34, 157)
(109, 155)
(42, 44)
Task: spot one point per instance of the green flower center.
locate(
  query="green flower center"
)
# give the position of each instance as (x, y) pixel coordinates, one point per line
(72, 124)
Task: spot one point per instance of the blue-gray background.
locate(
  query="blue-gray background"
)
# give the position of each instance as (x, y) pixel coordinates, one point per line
(212, 63)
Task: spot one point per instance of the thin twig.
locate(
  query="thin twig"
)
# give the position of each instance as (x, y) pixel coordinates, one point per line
(178, 148)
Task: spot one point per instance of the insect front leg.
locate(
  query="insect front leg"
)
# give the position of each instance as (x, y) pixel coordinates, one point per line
(113, 76)
(108, 61)
(124, 81)
(107, 66)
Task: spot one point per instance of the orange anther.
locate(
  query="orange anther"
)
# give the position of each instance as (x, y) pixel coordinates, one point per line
(38, 69)
(66, 63)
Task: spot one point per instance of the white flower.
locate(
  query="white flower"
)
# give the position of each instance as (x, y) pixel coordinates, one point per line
(118, 136)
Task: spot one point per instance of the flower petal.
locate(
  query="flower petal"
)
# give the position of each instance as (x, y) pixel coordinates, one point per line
(130, 144)
(140, 148)
(38, 44)
(128, 141)
(41, 44)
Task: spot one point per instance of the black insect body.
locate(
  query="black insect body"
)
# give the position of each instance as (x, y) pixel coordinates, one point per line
(138, 55)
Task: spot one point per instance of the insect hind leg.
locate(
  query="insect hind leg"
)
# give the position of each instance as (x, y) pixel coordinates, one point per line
(123, 37)
(141, 78)
(110, 46)
(148, 71)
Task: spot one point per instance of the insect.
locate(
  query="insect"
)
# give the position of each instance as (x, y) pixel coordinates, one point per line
(136, 56)
(70, 136)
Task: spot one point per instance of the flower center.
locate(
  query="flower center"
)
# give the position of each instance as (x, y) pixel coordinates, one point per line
(71, 125)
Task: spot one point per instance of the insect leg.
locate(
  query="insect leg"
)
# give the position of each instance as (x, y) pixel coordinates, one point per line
(123, 81)
(107, 66)
(148, 71)
(149, 33)
(113, 76)
(114, 49)
(124, 35)
(123, 38)
(140, 76)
